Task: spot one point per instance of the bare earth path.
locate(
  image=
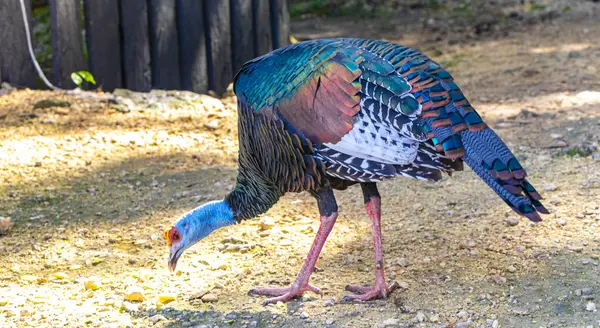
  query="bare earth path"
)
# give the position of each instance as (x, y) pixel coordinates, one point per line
(90, 189)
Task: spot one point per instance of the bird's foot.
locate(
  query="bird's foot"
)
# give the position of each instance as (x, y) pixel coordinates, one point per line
(379, 290)
(283, 294)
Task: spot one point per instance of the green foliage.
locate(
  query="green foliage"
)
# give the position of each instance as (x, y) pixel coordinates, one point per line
(79, 77)
(463, 9)
(433, 3)
(532, 6)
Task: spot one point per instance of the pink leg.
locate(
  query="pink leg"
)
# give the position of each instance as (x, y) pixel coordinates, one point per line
(301, 284)
(379, 289)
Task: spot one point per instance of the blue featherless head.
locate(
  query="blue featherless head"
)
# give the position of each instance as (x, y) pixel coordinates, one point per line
(195, 225)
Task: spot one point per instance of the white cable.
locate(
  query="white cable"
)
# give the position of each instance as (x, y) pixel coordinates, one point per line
(29, 45)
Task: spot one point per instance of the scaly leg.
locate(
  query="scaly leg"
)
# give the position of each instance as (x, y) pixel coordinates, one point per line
(379, 289)
(328, 210)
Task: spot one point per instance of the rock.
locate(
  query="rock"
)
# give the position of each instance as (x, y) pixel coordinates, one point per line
(29, 278)
(266, 223)
(328, 303)
(498, 279)
(403, 284)
(213, 125)
(550, 187)
(5, 225)
(575, 248)
(156, 318)
(561, 222)
(164, 298)
(129, 307)
(198, 295)
(462, 314)
(389, 322)
(92, 283)
(209, 298)
(587, 291)
(231, 316)
(434, 317)
(590, 307)
(402, 262)
(420, 317)
(304, 315)
(561, 144)
(135, 294)
(464, 324)
(512, 221)
(3, 301)
(511, 269)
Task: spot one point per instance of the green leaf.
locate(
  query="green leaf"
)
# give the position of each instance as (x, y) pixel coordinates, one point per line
(79, 77)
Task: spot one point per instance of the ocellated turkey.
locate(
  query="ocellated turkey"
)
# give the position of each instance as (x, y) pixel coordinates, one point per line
(326, 114)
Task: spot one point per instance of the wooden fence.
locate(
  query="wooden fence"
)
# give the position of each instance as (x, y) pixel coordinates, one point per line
(195, 45)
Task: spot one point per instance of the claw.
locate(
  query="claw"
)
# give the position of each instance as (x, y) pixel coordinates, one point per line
(379, 290)
(283, 294)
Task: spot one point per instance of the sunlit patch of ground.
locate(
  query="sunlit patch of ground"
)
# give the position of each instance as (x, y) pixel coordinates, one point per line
(90, 190)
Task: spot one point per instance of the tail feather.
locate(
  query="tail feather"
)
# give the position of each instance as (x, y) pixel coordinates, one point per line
(493, 162)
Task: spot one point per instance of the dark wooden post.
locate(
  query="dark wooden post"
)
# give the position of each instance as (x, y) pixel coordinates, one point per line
(164, 49)
(242, 33)
(192, 45)
(104, 42)
(15, 62)
(280, 23)
(263, 42)
(67, 41)
(136, 45)
(219, 44)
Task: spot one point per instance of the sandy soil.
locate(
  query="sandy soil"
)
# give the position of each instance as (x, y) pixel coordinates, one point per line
(90, 186)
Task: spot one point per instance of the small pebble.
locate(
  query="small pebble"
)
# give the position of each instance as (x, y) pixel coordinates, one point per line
(511, 269)
(91, 283)
(329, 321)
(420, 317)
(550, 187)
(389, 322)
(590, 307)
(164, 299)
(208, 298)
(60, 275)
(156, 318)
(328, 303)
(462, 314)
(266, 223)
(511, 221)
(464, 324)
(434, 317)
(135, 294)
(304, 315)
(213, 125)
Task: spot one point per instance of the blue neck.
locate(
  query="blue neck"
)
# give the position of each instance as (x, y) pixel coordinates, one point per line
(203, 220)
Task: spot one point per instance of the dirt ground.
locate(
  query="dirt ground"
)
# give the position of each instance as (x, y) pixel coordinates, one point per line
(90, 185)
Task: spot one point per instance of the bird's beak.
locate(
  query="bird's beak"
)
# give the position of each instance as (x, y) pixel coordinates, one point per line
(174, 255)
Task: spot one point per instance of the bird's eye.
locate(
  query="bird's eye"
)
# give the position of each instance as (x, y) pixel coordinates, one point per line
(174, 235)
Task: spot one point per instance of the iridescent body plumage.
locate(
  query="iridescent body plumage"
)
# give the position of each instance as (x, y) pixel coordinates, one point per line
(326, 114)
(362, 111)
